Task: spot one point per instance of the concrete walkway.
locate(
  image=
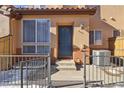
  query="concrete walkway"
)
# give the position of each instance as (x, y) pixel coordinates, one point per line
(67, 79)
(74, 78)
(64, 74)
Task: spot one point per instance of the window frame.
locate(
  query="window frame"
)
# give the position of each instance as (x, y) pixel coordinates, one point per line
(36, 43)
(94, 37)
(118, 31)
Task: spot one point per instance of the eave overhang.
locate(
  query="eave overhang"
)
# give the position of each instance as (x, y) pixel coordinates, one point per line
(19, 12)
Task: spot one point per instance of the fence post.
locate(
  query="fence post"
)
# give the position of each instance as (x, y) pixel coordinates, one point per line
(21, 68)
(49, 72)
(123, 68)
(84, 62)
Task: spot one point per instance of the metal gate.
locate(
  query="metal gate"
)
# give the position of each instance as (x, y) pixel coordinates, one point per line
(25, 71)
(34, 71)
(103, 75)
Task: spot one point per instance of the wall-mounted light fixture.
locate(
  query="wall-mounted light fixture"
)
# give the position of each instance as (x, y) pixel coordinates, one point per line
(82, 26)
(112, 18)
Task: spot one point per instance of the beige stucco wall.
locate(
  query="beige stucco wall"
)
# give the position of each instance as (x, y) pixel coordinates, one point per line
(102, 21)
(4, 25)
(80, 37)
(96, 23)
(116, 12)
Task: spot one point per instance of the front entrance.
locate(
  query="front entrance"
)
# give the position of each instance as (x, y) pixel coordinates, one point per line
(65, 38)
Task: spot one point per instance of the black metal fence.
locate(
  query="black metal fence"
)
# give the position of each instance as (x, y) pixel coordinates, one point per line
(103, 70)
(33, 71)
(25, 71)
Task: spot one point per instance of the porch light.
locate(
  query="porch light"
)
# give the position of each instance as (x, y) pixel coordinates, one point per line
(82, 26)
(112, 18)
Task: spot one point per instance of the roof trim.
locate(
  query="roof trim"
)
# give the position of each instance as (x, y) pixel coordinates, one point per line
(53, 11)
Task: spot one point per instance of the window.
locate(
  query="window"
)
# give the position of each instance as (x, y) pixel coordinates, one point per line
(95, 37)
(28, 31)
(116, 33)
(36, 36)
(42, 29)
(43, 49)
(28, 49)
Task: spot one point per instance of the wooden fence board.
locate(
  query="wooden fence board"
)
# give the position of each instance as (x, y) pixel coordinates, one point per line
(116, 45)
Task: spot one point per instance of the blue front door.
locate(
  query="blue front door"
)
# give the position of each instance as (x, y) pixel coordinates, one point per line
(65, 41)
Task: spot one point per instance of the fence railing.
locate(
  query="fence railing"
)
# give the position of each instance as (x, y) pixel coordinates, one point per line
(25, 71)
(105, 70)
(34, 70)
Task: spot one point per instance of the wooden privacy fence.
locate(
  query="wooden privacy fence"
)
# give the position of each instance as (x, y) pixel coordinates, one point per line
(116, 45)
(5, 45)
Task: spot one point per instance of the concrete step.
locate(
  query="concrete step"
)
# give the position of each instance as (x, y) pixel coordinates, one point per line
(66, 63)
(66, 67)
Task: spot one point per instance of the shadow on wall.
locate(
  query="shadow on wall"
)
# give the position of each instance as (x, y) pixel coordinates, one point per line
(96, 22)
(103, 22)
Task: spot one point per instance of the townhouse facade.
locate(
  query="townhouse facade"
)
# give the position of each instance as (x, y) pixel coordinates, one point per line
(71, 28)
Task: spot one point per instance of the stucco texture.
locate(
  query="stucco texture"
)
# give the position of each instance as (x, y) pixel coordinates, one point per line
(80, 36)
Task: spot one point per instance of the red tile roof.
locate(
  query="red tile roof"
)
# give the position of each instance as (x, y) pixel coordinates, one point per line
(53, 11)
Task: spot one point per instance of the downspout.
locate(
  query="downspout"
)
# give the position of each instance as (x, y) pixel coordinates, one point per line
(9, 36)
